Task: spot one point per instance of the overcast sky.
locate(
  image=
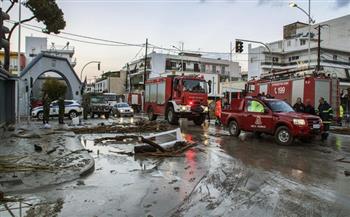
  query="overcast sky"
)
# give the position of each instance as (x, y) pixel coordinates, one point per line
(206, 25)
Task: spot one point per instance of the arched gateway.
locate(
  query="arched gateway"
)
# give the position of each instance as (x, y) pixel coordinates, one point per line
(47, 63)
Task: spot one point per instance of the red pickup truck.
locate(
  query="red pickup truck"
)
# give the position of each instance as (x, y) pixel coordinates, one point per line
(270, 116)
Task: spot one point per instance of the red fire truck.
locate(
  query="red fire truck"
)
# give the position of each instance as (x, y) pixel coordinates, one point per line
(177, 97)
(307, 88)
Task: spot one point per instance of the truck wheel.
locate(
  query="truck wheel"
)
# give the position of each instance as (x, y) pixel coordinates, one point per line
(199, 120)
(40, 116)
(72, 114)
(283, 136)
(171, 116)
(233, 128)
(151, 115)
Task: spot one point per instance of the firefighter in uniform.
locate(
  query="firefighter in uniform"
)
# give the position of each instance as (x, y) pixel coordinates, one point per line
(85, 108)
(46, 108)
(218, 112)
(61, 110)
(341, 114)
(325, 112)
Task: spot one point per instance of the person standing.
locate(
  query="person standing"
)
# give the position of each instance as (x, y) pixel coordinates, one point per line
(61, 110)
(299, 106)
(309, 109)
(46, 108)
(325, 112)
(85, 107)
(218, 110)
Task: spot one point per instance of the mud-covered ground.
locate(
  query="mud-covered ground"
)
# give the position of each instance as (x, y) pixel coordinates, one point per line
(221, 176)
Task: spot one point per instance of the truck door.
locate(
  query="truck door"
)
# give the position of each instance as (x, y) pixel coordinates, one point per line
(256, 118)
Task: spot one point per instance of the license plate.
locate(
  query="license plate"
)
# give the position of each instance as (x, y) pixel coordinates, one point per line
(316, 126)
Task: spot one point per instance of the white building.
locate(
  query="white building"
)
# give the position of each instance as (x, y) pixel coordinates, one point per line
(37, 45)
(291, 53)
(111, 82)
(159, 64)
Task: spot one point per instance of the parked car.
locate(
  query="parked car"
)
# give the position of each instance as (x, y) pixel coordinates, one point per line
(72, 109)
(122, 109)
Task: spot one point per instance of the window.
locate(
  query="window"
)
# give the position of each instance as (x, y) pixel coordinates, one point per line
(255, 106)
(196, 67)
(302, 42)
(203, 67)
(222, 69)
(293, 58)
(335, 57)
(275, 59)
(214, 68)
(288, 43)
(349, 59)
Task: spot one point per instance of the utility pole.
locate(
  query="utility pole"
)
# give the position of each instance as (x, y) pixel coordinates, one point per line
(231, 51)
(318, 49)
(145, 67)
(318, 67)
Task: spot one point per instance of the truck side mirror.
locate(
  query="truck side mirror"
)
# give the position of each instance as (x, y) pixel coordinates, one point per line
(266, 110)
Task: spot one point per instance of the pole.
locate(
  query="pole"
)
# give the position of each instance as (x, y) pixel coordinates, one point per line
(231, 51)
(265, 45)
(81, 73)
(145, 67)
(182, 57)
(319, 49)
(19, 59)
(309, 37)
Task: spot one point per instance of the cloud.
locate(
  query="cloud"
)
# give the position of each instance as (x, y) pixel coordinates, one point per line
(342, 3)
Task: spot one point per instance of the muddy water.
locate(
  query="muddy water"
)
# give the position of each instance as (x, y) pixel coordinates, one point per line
(222, 176)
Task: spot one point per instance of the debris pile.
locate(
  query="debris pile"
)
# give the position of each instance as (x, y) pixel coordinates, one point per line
(137, 127)
(147, 147)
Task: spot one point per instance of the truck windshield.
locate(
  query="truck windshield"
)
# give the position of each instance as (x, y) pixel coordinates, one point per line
(279, 106)
(122, 105)
(98, 99)
(196, 86)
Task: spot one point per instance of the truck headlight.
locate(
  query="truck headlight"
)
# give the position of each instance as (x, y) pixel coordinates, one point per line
(299, 122)
(183, 108)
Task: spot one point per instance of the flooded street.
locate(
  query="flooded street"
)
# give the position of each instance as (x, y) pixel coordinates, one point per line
(221, 176)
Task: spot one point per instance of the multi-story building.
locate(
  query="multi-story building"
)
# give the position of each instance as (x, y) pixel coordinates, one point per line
(111, 82)
(13, 69)
(37, 45)
(291, 53)
(159, 64)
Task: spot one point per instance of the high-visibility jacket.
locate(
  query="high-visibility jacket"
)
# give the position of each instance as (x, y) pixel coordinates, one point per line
(218, 109)
(256, 107)
(341, 111)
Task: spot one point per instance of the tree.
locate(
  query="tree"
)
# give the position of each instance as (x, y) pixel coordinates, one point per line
(46, 11)
(54, 88)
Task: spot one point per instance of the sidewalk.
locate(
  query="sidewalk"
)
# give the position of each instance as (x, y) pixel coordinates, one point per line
(33, 157)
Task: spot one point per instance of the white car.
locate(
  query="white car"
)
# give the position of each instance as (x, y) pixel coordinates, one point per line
(122, 109)
(72, 109)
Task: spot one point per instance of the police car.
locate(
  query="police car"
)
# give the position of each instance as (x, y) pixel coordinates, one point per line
(72, 109)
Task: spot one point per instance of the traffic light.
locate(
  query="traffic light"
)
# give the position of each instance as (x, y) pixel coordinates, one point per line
(239, 46)
(4, 43)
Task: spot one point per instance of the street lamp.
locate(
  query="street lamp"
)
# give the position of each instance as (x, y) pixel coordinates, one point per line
(308, 14)
(182, 55)
(98, 67)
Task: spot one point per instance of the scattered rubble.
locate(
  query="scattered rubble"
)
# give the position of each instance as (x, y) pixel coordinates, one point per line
(137, 127)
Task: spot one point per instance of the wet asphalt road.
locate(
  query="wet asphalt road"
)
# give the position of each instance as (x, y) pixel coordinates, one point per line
(222, 176)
